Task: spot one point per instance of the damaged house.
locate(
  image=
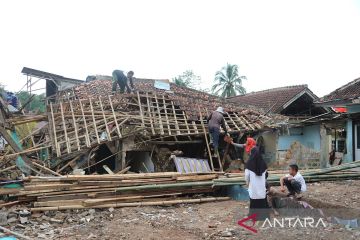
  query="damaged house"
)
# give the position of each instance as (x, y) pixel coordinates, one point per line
(346, 101)
(159, 127)
(307, 141)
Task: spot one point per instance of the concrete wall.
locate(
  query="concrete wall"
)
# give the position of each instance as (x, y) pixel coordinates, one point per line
(270, 141)
(308, 136)
(348, 157)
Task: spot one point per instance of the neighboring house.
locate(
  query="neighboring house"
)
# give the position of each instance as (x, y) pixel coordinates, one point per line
(346, 100)
(297, 103)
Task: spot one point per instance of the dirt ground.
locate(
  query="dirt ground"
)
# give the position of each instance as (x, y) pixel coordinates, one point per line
(196, 221)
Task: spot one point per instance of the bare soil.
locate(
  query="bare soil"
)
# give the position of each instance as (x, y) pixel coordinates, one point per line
(196, 221)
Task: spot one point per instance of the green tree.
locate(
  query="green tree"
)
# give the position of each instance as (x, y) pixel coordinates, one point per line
(187, 79)
(37, 104)
(227, 82)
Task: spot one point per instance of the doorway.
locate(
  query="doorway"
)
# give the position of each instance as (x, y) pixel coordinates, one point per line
(357, 142)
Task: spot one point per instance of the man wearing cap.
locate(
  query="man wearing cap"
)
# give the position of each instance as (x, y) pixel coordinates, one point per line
(120, 78)
(215, 120)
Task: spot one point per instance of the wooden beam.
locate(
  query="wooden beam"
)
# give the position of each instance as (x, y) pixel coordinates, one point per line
(116, 122)
(206, 140)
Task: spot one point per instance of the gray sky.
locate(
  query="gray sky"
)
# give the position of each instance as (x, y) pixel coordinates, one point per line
(275, 43)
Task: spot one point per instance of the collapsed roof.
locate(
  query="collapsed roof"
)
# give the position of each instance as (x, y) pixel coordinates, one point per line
(88, 114)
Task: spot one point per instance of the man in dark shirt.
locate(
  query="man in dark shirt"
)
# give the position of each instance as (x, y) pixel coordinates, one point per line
(120, 78)
(215, 120)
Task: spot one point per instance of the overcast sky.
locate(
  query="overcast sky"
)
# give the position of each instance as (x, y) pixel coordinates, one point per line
(275, 43)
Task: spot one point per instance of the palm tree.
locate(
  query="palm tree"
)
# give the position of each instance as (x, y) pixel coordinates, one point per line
(228, 83)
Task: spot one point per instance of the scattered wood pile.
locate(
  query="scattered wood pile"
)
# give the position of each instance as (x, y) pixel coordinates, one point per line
(341, 172)
(132, 190)
(121, 190)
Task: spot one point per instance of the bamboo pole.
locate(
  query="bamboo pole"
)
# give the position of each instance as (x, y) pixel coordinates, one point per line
(164, 186)
(47, 169)
(207, 142)
(133, 204)
(75, 126)
(14, 233)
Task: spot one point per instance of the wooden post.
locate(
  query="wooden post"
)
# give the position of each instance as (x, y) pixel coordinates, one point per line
(75, 126)
(94, 122)
(166, 115)
(141, 110)
(87, 138)
(232, 120)
(106, 124)
(176, 122)
(207, 142)
(116, 122)
(158, 110)
(150, 115)
(68, 148)
(54, 128)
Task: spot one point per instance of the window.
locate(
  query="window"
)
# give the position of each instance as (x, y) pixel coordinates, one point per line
(341, 146)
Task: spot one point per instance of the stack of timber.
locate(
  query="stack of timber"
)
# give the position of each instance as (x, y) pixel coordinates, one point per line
(348, 171)
(115, 190)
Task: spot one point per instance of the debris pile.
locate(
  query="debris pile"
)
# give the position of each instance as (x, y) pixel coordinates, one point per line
(122, 190)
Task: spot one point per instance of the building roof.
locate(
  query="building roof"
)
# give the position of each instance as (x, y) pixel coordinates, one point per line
(274, 100)
(48, 76)
(187, 99)
(345, 94)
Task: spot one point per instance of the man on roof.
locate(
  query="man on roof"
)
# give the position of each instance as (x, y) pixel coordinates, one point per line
(120, 78)
(215, 120)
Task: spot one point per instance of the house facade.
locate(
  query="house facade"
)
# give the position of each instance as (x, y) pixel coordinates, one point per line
(306, 134)
(346, 100)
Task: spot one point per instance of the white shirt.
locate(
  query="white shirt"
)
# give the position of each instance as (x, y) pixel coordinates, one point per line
(257, 189)
(299, 178)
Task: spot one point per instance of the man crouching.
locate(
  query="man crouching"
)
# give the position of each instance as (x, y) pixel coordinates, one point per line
(294, 182)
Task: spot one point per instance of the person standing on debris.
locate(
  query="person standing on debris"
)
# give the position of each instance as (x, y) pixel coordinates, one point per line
(120, 78)
(294, 182)
(255, 177)
(215, 120)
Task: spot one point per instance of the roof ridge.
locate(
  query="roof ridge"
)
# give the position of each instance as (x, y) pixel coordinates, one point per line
(345, 86)
(273, 89)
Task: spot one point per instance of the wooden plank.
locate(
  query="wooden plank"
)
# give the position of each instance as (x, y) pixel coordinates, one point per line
(105, 120)
(54, 129)
(195, 127)
(206, 140)
(149, 113)
(176, 122)
(85, 125)
(160, 120)
(94, 121)
(232, 120)
(141, 110)
(68, 147)
(166, 115)
(186, 123)
(116, 122)
(107, 169)
(75, 126)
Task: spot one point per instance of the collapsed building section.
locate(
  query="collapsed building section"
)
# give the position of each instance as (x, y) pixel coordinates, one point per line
(158, 127)
(89, 119)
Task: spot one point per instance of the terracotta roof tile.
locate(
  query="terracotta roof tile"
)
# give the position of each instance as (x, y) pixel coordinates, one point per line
(270, 99)
(347, 92)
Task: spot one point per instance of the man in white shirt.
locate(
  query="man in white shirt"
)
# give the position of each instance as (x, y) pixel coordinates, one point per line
(294, 182)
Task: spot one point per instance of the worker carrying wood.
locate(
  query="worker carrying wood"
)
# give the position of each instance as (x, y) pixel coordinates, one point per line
(215, 120)
(120, 78)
